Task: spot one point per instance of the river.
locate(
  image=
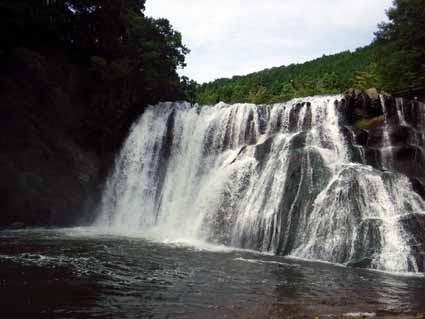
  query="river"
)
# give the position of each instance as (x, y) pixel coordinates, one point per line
(80, 273)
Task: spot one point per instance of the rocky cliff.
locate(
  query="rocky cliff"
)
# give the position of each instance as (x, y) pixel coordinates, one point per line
(391, 131)
(60, 127)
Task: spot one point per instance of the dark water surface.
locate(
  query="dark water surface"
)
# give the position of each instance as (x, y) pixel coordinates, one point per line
(75, 274)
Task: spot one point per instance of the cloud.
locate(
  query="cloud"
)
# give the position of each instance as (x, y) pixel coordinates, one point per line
(234, 37)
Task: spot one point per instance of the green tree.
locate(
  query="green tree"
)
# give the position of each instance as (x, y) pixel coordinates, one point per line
(288, 91)
(124, 59)
(189, 88)
(259, 95)
(364, 80)
(402, 46)
(326, 75)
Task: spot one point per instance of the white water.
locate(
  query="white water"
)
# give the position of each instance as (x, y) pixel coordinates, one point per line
(400, 111)
(386, 150)
(274, 178)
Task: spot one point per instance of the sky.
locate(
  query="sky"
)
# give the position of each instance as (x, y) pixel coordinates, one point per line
(237, 37)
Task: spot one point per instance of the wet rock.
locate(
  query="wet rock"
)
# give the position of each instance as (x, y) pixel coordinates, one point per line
(355, 135)
(401, 134)
(404, 121)
(298, 141)
(262, 151)
(414, 225)
(358, 105)
(373, 95)
(418, 186)
(307, 124)
(375, 137)
(367, 244)
(300, 191)
(294, 116)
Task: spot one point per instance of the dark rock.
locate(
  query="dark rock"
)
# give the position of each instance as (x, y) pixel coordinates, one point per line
(373, 157)
(358, 105)
(373, 95)
(57, 143)
(361, 137)
(294, 116)
(307, 124)
(301, 189)
(418, 186)
(414, 225)
(401, 134)
(262, 151)
(298, 141)
(407, 153)
(367, 244)
(355, 135)
(375, 137)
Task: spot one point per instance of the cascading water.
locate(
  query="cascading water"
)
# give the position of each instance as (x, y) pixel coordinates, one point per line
(386, 149)
(400, 111)
(275, 178)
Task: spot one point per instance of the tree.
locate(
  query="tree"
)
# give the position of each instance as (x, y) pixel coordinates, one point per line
(124, 59)
(402, 46)
(367, 79)
(327, 75)
(288, 91)
(189, 88)
(259, 95)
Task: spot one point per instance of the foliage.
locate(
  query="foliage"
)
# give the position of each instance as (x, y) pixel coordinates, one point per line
(368, 78)
(402, 46)
(124, 59)
(190, 89)
(326, 75)
(368, 122)
(148, 51)
(394, 62)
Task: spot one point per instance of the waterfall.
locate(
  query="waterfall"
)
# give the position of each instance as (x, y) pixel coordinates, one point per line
(275, 178)
(400, 111)
(386, 150)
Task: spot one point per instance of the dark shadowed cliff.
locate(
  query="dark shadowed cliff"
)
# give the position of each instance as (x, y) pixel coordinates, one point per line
(71, 85)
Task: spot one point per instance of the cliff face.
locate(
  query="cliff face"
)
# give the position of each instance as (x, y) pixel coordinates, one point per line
(391, 131)
(56, 142)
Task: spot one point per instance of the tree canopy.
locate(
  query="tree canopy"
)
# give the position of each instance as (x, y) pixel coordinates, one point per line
(107, 54)
(326, 75)
(110, 35)
(402, 46)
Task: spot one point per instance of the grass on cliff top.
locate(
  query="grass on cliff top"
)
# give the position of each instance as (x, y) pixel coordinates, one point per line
(367, 123)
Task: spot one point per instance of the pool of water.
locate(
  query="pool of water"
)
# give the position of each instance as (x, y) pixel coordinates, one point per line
(76, 273)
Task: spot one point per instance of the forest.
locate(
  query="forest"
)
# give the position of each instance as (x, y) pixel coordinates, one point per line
(394, 62)
(100, 45)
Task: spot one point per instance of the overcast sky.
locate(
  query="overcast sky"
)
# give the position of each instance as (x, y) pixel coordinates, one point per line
(236, 37)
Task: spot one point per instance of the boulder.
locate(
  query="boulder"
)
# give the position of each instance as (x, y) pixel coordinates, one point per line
(373, 94)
